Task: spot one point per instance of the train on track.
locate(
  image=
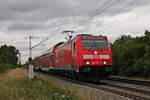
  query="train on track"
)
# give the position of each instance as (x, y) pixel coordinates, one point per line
(86, 57)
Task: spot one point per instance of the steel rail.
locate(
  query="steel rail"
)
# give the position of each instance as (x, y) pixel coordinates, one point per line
(132, 81)
(147, 92)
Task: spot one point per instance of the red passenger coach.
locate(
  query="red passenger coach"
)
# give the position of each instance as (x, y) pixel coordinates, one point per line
(45, 61)
(86, 57)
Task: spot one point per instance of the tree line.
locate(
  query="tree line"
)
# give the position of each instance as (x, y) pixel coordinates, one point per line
(131, 55)
(8, 55)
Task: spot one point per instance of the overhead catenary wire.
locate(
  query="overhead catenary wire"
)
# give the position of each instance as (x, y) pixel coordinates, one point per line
(129, 3)
(76, 12)
(98, 8)
(44, 40)
(112, 4)
(102, 10)
(40, 42)
(78, 8)
(125, 6)
(125, 21)
(106, 5)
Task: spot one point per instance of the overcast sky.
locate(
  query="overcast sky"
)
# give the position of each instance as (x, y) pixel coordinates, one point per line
(41, 18)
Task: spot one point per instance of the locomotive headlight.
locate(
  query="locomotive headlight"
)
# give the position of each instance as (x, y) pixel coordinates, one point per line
(87, 62)
(87, 56)
(104, 56)
(95, 52)
(104, 62)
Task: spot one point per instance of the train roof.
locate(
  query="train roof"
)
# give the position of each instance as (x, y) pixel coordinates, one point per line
(58, 44)
(84, 35)
(49, 51)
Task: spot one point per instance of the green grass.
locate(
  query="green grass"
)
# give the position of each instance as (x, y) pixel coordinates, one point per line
(36, 89)
(5, 67)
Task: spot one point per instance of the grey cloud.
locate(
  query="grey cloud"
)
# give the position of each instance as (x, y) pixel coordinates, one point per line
(43, 10)
(47, 9)
(25, 26)
(38, 8)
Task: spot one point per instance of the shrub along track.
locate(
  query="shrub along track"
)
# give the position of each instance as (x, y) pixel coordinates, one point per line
(133, 93)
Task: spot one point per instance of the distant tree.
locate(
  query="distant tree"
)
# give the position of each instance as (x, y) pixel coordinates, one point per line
(8, 54)
(131, 56)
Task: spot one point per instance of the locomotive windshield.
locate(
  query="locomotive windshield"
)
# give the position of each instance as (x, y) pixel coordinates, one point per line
(94, 44)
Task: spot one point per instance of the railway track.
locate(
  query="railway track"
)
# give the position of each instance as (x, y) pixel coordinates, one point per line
(131, 81)
(133, 93)
(147, 92)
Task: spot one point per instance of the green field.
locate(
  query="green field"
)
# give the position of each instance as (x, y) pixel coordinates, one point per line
(36, 89)
(14, 85)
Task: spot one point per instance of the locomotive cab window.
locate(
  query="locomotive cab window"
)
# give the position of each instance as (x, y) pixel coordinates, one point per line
(94, 44)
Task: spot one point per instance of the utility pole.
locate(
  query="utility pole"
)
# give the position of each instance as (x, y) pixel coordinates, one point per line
(30, 48)
(30, 70)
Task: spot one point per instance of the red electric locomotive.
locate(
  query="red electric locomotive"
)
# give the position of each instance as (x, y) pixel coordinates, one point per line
(86, 57)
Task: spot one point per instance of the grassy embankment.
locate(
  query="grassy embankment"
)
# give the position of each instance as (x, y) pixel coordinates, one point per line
(5, 67)
(14, 85)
